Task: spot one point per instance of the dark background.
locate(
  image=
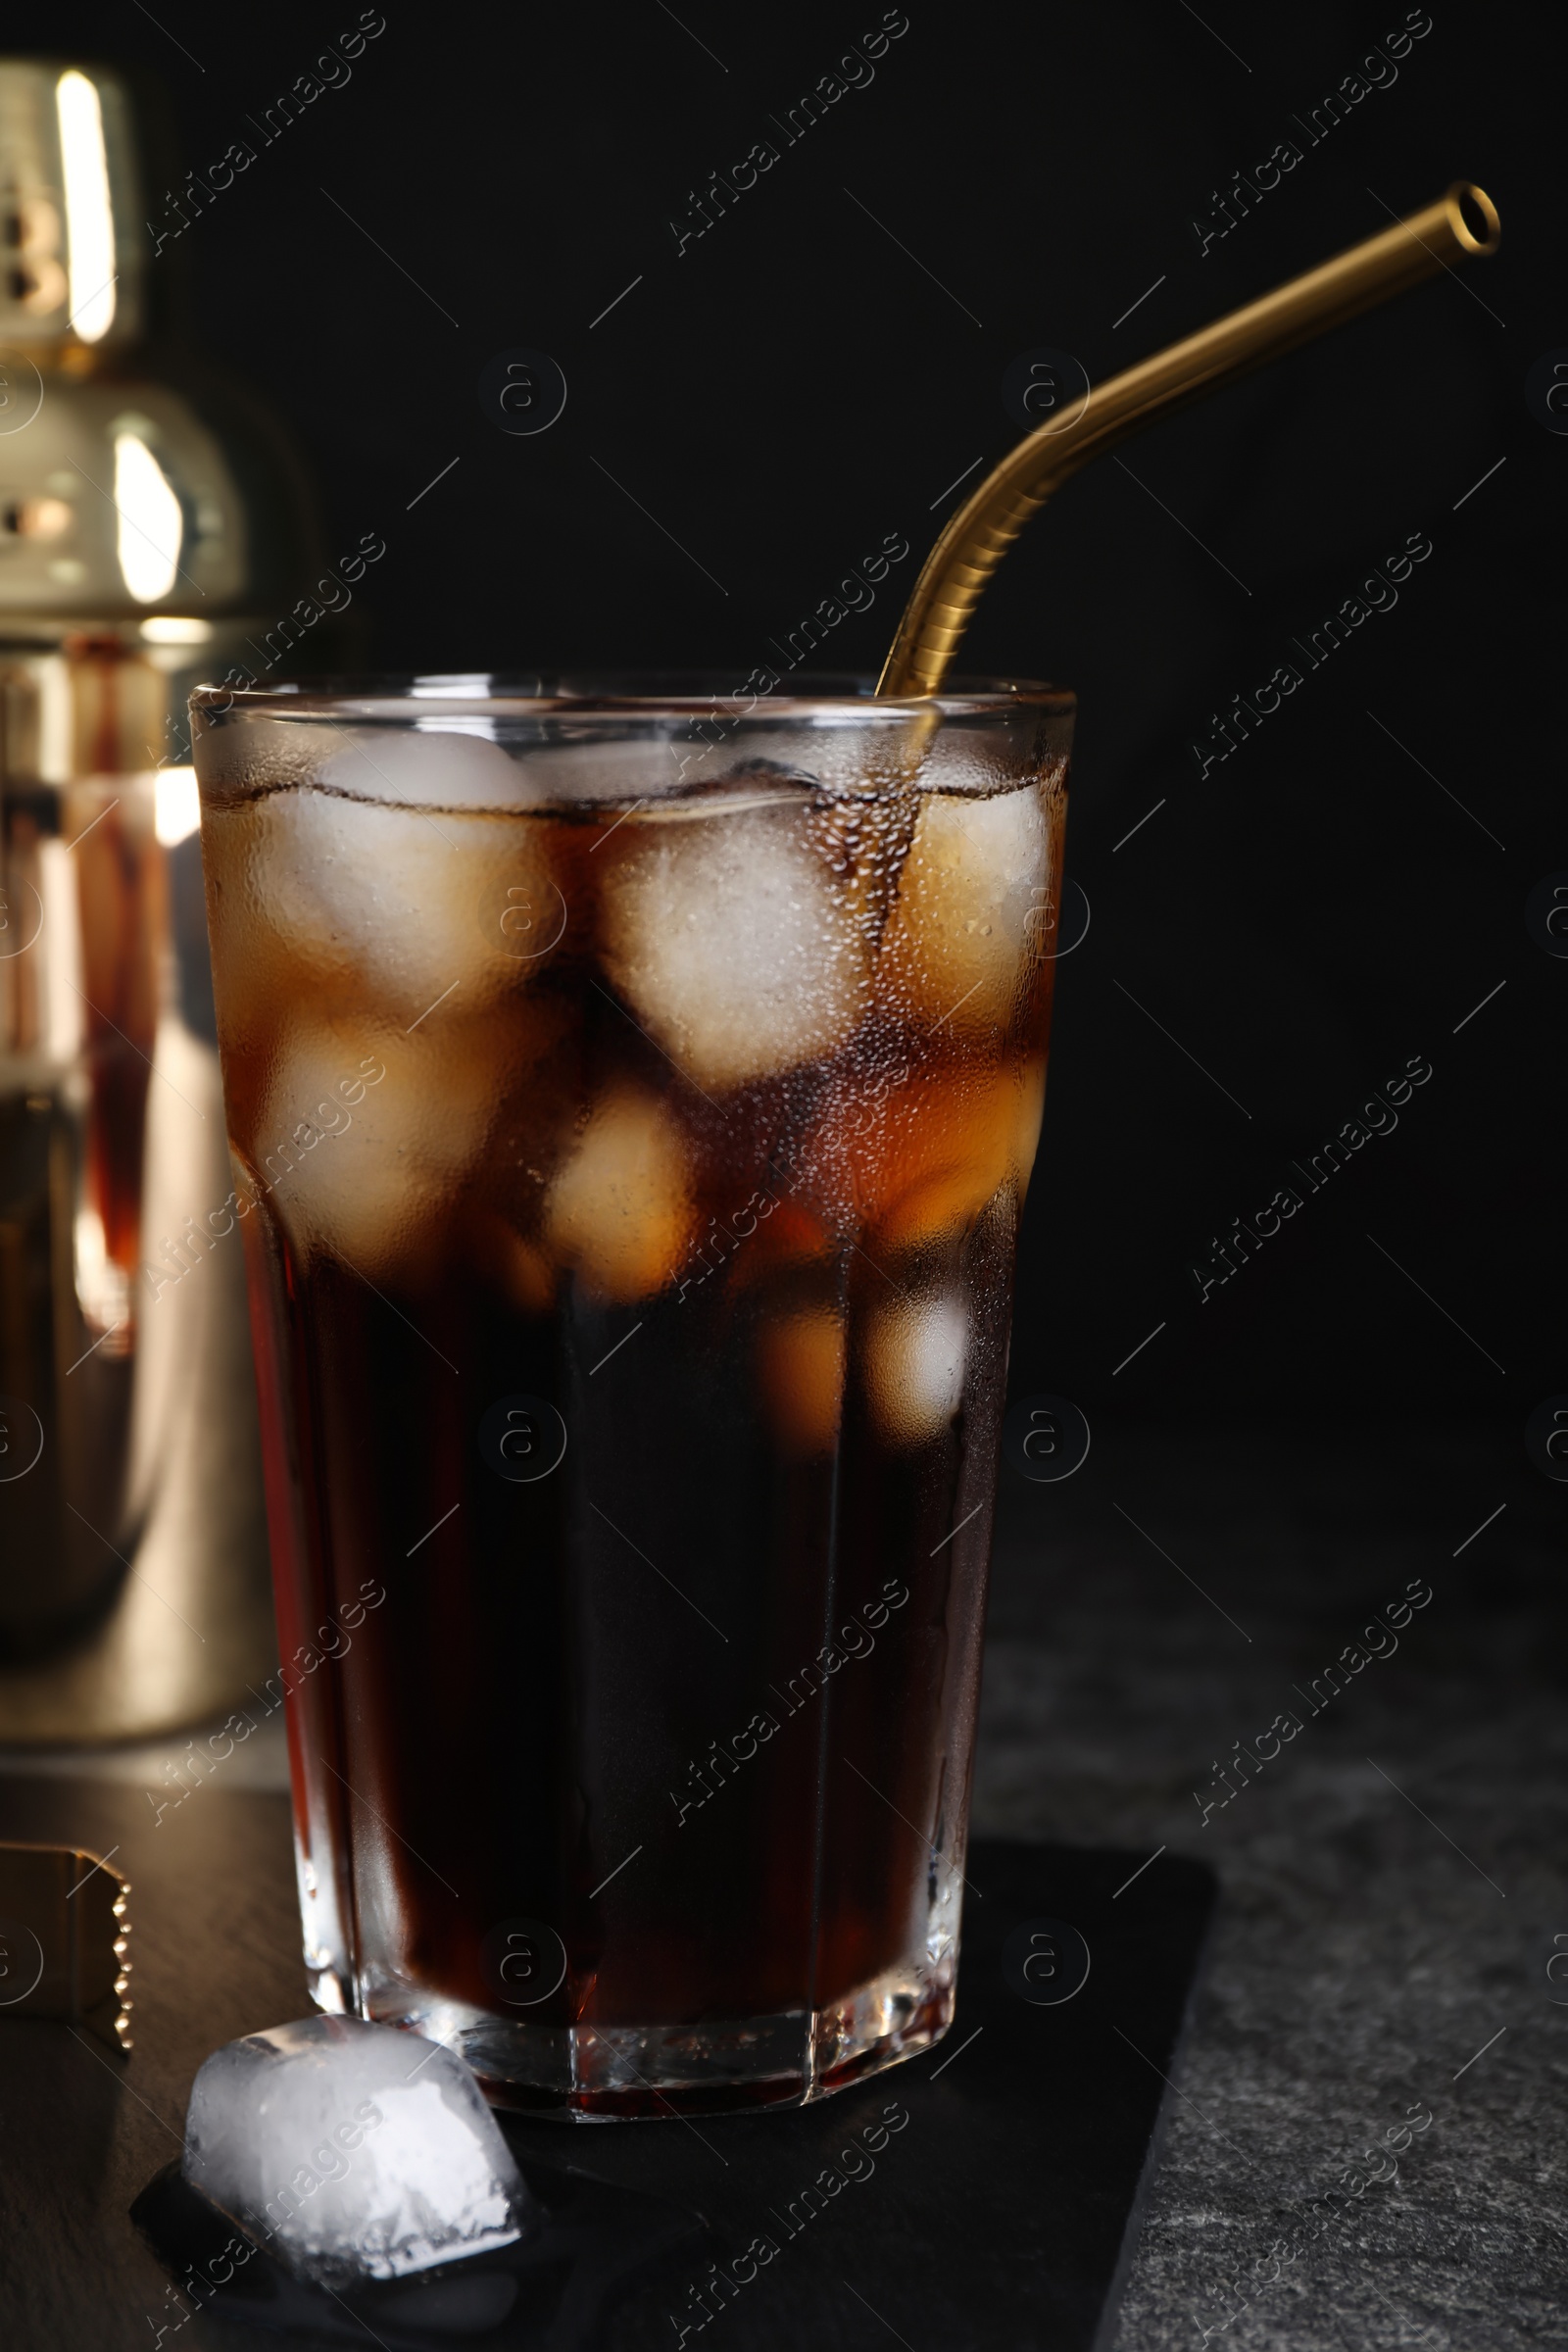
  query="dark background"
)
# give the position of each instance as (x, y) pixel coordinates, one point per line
(796, 386)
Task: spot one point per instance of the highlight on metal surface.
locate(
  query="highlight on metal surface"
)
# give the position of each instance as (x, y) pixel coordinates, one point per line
(63, 1934)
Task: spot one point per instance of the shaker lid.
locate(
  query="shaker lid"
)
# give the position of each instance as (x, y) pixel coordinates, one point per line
(72, 248)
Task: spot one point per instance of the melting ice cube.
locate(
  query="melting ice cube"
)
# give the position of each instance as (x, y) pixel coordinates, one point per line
(970, 907)
(914, 1351)
(352, 2151)
(370, 904)
(620, 1208)
(363, 1152)
(440, 764)
(729, 939)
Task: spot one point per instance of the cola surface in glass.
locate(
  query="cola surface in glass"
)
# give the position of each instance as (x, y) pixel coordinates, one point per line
(633, 1094)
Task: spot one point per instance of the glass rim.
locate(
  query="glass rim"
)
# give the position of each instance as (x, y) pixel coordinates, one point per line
(676, 695)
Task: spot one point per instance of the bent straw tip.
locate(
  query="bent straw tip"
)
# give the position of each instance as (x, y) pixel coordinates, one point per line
(1474, 217)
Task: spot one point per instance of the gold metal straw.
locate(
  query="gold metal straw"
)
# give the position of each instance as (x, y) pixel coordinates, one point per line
(1460, 224)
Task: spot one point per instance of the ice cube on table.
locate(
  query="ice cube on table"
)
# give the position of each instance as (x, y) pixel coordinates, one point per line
(353, 2152)
(727, 937)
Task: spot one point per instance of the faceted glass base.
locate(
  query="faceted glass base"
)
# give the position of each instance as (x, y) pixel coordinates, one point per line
(609, 2074)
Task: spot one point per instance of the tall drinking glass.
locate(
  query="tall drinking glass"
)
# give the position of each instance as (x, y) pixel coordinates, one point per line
(632, 1088)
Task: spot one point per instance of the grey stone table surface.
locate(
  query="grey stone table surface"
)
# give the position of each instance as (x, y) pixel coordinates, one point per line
(1392, 1876)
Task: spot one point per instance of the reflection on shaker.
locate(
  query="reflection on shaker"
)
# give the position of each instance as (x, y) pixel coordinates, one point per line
(151, 533)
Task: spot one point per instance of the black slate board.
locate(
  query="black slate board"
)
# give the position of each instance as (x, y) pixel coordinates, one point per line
(1001, 2217)
(998, 2218)
(553, 2291)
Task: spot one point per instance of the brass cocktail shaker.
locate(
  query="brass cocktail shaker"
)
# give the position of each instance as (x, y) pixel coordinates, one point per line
(153, 531)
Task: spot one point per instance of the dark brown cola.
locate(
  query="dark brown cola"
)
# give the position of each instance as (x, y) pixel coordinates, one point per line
(629, 1196)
